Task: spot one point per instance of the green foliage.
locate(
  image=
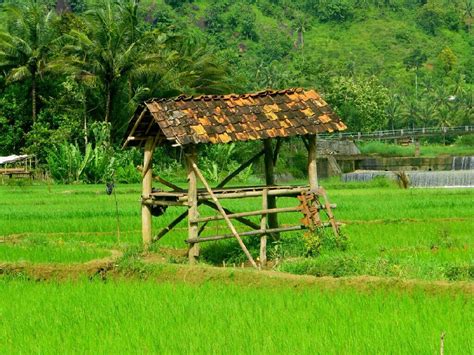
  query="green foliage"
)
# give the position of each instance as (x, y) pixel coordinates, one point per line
(323, 239)
(334, 10)
(362, 102)
(83, 66)
(69, 164)
(436, 14)
(219, 160)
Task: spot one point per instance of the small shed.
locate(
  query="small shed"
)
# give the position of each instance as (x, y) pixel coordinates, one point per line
(16, 165)
(269, 116)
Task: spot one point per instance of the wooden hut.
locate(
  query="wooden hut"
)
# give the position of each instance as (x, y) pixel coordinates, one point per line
(215, 119)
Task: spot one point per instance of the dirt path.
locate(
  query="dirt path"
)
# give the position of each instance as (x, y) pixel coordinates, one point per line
(156, 267)
(62, 271)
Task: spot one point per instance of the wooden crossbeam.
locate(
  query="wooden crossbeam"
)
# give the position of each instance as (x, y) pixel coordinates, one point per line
(134, 128)
(224, 182)
(222, 212)
(250, 233)
(242, 220)
(249, 214)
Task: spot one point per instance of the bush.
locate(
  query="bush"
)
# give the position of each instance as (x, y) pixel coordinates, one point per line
(467, 141)
(97, 163)
(334, 10)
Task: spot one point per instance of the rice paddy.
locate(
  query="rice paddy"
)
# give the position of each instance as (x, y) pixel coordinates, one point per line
(413, 237)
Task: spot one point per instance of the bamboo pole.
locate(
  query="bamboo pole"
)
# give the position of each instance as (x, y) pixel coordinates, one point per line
(146, 191)
(222, 212)
(312, 163)
(328, 210)
(193, 213)
(249, 214)
(242, 220)
(270, 181)
(240, 169)
(256, 232)
(182, 216)
(272, 192)
(263, 226)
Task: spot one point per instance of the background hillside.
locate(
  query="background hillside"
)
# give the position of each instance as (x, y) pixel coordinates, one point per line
(381, 63)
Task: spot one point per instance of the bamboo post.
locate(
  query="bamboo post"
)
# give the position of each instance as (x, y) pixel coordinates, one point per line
(222, 212)
(312, 163)
(270, 181)
(263, 226)
(147, 177)
(193, 213)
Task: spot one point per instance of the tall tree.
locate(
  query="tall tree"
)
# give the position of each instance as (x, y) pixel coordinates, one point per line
(112, 51)
(26, 46)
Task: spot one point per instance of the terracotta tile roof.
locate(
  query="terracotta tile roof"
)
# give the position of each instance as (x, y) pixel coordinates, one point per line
(230, 118)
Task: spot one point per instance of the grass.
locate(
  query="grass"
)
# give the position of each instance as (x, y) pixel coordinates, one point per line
(413, 233)
(426, 150)
(171, 308)
(49, 254)
(146, 317)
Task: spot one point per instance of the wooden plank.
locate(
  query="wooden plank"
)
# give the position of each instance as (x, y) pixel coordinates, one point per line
(146, 191)
(222, 212)
(193, 213)
(256, 232)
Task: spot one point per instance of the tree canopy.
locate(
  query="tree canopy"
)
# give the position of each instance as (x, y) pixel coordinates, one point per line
(381, 63)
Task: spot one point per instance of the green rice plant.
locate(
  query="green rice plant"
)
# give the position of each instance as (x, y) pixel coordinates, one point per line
(50, 254)
(137, 316)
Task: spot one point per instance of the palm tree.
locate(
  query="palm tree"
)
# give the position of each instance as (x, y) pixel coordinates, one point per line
(26, 46)
(410, 112)
(112, 52)
(393, 110)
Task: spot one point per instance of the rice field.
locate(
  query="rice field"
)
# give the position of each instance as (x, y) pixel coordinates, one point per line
(415, 233)
(417, 244)
(145, 317)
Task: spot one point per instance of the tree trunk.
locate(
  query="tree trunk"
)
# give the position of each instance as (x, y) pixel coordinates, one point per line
(84, 108)
(108, 103)
(33, 97)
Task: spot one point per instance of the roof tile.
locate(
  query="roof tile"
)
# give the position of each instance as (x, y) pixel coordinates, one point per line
(222, 119)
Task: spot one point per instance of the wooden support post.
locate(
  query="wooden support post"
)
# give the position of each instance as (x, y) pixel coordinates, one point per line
(312, 163)
(222, 212)
(147, 177)
(263, 226)
(270, 181)
(193, 214)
